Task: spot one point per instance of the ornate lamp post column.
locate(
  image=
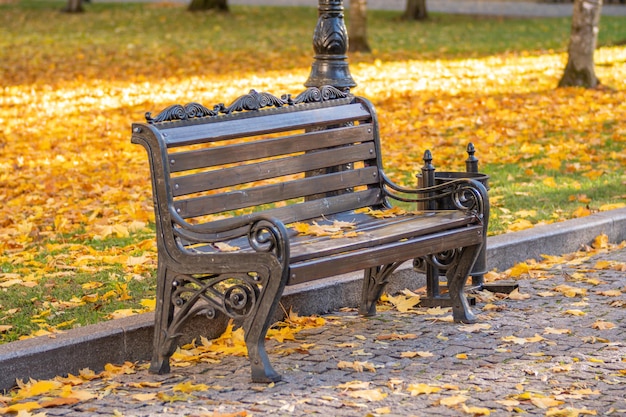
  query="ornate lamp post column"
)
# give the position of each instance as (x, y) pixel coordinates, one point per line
(330, 43)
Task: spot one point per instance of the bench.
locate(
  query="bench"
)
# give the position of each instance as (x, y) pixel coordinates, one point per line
(270, 192)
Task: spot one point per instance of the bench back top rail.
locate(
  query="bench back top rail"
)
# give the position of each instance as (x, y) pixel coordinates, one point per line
(256, 157)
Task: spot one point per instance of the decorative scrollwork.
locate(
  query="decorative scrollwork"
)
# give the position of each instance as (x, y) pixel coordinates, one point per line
(442, 261)
(265, 237)
(237, 299)
(179, 112)
(234, 294)
(316, 95)
(254, 101)
(466, 197)
(248, 102)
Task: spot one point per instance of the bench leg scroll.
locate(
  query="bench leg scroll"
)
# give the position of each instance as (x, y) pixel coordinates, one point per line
(255, 328)
(251, 296)
(164, 343)
(457, 276)
(374, 283)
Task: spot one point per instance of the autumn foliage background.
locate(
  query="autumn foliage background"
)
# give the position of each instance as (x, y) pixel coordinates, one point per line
(76, 236)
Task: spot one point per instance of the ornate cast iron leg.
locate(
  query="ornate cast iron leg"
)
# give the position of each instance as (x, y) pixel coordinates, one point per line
(374, 283)
(164, 343)
(457, 276)
(258, 322)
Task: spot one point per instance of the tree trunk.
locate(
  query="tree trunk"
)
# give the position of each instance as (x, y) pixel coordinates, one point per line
(415, 10)
(199, 5)
(580, 70)
(74, 6)
(357, 30)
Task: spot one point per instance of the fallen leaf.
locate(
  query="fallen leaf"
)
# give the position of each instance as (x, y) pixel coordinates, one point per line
(369, 395)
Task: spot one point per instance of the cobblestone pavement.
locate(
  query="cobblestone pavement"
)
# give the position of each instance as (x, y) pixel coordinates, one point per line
(528, 357)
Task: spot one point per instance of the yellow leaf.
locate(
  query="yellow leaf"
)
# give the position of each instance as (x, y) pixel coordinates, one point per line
(601, 242)
(570, 291)
(610, 293)
(402, 303)
(612, 206)
(369, 395)
(90, 298)
(418, 389)
(144, 397)
(561, 368)
(593, 174)
(477, 327)
(35, 388)
(581, 212)
(550, 182)
(603, 265)
(189, 387)
(438, 311)
(453, 400)
(514, 339)
(357, 366)
(603, 325)
(354, 385)
(552, 330)
(122, 313)
(111, 370)
(414, 354)
(476, 411)
(574, 312)
(461, 356)
(544, 402)
(92, 285)
(516, 295)
(519, 269)
(519, 224)
(16, 408)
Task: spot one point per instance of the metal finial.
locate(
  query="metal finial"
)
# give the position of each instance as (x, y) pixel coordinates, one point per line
(471, 163)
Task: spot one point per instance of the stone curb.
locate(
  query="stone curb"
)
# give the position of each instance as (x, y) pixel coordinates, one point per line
(130, 339)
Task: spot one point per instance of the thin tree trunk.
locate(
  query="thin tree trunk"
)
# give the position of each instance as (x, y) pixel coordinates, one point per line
(74, 6)
(415, 10)
(357, 30)
(580, 69)
(199, 5)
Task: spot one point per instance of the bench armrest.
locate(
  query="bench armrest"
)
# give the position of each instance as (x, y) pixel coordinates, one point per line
(265, 234)
(466, 194)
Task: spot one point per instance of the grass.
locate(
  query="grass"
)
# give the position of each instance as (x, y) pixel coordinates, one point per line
(71, 278)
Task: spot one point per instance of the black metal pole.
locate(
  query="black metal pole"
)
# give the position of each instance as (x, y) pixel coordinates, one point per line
(330, 44)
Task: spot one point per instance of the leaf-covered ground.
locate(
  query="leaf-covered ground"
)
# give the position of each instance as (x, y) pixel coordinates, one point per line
(76, 214)
(554, 347)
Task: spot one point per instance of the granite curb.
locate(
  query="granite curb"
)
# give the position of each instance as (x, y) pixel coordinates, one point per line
(130, 339)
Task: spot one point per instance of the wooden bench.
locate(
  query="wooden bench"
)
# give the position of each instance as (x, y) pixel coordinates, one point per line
(232, 184)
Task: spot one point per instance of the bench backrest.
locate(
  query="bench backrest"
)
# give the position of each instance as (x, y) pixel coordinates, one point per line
(257, 155)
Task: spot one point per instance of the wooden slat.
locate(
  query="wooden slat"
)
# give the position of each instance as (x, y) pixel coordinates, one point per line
(304, 211)
(270, 147)
(276, 192)
(251, 124)
(378, 233)
(351, 261)
(243, 174)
